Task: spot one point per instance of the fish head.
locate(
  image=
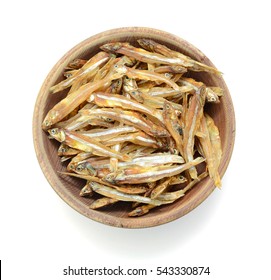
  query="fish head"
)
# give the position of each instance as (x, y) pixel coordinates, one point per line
(49, 120)
(116, 86)
(85, 168)
(202, 94)
(211, 96)
(46, 123)
(147, 44)
(128, 82)
(71, 166)
(169, 111)
(63, 150)
(110, 178)
(167, 107)
(111, 47)
(120, 70)
(57, 133)
(86, 190)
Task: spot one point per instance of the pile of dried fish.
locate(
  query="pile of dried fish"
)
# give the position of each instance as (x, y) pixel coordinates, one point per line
(133, 125)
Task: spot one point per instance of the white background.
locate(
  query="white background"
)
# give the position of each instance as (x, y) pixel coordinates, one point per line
(230, 232)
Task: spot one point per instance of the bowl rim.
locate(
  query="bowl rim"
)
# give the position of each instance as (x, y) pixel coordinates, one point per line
(53, 179)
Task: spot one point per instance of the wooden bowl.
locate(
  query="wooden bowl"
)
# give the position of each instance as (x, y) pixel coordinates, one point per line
(68, 188)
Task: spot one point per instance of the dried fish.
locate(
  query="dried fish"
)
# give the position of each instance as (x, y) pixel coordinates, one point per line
(130, 118)
(132, 124)
(186, 61)
(73, 100)
(113, 100)
(150, 174)
(83, 143)
(115, 194)
(88, 67)
(102, 202)
(173, 126)
(192, 121)
(86, 190)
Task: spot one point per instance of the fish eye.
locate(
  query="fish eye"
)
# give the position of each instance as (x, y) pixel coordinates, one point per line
(71, 166)
(86, 190)
(54, 131)
(47, 123)
(180, 130)
(79, 167)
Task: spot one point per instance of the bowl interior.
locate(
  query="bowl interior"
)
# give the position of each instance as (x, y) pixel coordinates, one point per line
(68, 188)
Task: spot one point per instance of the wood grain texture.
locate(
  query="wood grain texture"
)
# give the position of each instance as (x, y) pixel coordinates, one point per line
(68, 188)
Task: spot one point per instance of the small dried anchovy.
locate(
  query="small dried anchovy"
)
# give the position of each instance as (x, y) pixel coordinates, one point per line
(133, 124)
